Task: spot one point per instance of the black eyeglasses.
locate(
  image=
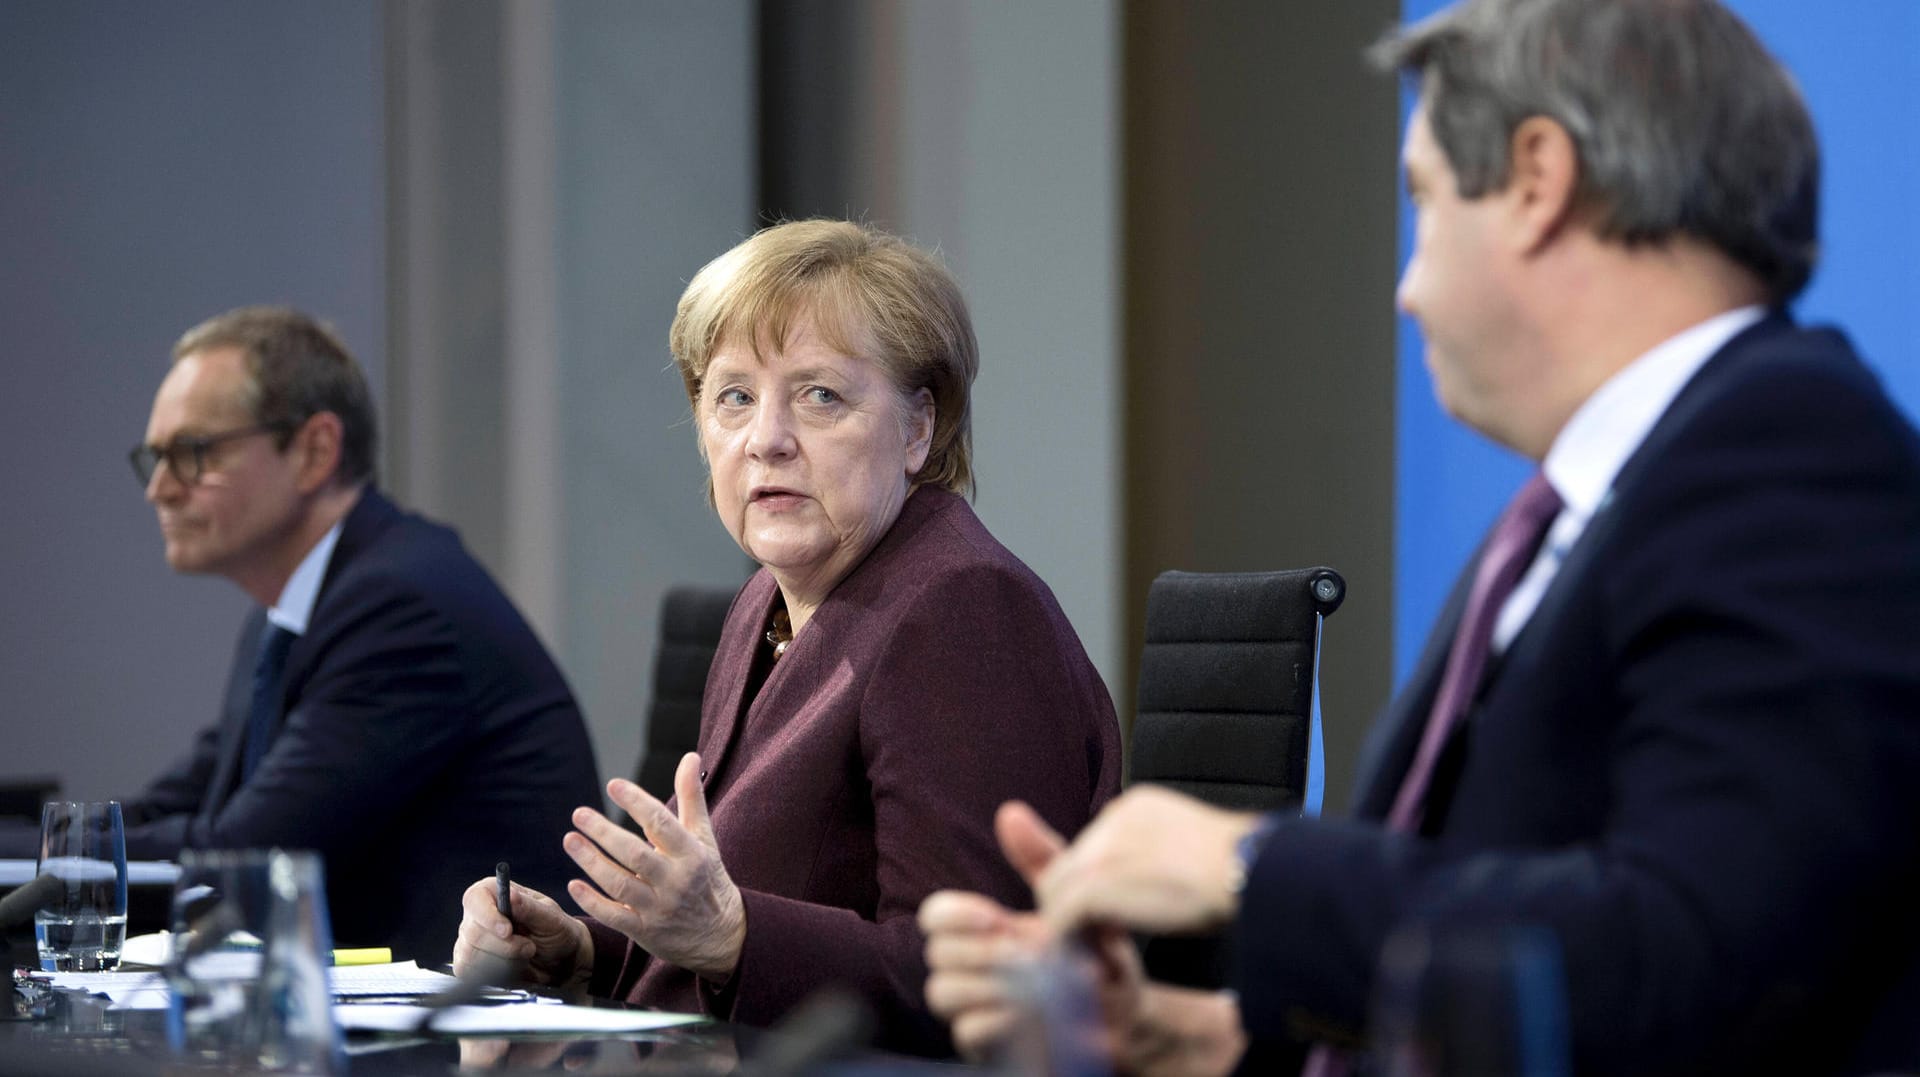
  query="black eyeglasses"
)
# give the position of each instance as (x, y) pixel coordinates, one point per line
(188, 456)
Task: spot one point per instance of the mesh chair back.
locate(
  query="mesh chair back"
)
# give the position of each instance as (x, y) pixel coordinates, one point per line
(1227, 684)
(690, 623)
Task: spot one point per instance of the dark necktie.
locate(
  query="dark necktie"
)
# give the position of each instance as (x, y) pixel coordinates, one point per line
(264, 718)
(1510, 548)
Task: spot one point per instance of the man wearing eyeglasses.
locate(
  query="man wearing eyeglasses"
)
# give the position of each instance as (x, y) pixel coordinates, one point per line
(388, 706)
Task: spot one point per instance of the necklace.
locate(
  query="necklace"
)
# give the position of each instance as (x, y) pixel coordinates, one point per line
(781, 634)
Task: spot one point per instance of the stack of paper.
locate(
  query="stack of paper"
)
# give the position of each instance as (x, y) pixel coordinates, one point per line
(397, 984)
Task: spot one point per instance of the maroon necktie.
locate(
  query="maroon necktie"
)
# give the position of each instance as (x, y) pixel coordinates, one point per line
(1509, 550)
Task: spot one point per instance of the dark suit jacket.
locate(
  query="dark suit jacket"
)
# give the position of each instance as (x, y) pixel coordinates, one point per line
(426, 736)
(937, 680)
(1698, 763)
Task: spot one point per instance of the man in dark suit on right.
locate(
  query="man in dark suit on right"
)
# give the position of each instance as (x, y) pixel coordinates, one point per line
(1671, 714)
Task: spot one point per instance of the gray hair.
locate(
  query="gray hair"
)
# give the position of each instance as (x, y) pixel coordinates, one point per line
(300, 369)
(1684, 124)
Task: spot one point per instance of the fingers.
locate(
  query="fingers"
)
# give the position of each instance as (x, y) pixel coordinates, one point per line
(1072, 881)
(973, 933)
(693, 798)
(623, 885)
(477, 909)
(476, 905)
(1152, 860)
(484, 931)
(987, 951)
(1026, 839)
(977, 1034)
(958, 910)
(623, 845)
(615, 914)
(661, 828)
(533, 912)
(972, 941)
(950, 994)
(1116, 953)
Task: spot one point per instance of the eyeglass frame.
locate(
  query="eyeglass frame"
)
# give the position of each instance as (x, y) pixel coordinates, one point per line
(146, 459)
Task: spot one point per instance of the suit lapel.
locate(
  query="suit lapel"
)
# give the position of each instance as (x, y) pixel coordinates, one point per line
(726, 713)
(1389, 750)
(237, 708)
(365, 521)
(1579, 558)
(1390, 746)
(369, 516)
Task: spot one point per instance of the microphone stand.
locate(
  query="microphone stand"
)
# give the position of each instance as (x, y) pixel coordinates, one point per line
(25, 998)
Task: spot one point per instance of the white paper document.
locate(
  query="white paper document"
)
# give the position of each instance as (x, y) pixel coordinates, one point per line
(128, 990)
(512, 1019)
(148, 990)
(397, 978)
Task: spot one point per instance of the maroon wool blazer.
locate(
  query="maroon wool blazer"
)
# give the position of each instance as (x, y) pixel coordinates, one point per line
(939, 679)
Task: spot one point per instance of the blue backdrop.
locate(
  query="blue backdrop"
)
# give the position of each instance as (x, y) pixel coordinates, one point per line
(1859, 65)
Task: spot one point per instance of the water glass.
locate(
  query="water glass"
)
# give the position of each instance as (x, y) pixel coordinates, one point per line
(83, 844)
(247, 978)
(1057, 1026)
(1481, 1000)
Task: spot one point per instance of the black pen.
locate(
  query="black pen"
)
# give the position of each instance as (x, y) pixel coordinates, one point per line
(503, 891)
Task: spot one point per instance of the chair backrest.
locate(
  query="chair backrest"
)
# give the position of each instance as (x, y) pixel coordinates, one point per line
(1227, 684)
(21, 796)
(690, 622)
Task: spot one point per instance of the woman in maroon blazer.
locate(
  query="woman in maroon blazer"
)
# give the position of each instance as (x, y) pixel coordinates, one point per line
(889, 676)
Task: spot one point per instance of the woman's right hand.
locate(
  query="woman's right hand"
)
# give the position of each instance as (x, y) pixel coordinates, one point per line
(555, 949)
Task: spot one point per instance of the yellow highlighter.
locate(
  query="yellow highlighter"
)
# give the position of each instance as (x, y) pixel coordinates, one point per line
(372, 955)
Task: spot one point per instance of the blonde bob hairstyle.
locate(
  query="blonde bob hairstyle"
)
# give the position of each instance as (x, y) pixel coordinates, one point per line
(868, 294)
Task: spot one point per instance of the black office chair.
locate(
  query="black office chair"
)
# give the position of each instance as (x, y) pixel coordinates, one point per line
(22, 796)
(1229, 677)
(690, 623)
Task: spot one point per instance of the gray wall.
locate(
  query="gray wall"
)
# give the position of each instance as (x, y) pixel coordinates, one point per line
(560, 171)
(990, 132)
(655, 170)
(158, 164)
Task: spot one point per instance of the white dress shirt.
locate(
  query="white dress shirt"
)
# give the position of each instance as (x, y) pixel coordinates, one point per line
(1590, 450)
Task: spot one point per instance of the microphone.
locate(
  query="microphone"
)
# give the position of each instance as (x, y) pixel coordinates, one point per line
(487, 974)
(18, 907)
(825, 1024)
(15, 909)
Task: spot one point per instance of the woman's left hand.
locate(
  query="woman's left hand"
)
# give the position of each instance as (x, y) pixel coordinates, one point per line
(667, 891)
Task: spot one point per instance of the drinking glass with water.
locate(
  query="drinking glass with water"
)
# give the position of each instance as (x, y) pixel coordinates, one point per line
(83, 845)
(247, 980)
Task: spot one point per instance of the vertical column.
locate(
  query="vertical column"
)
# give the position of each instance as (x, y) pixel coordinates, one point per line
(1259, 158)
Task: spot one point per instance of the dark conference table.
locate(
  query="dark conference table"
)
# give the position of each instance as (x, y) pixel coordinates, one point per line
(80, 1036)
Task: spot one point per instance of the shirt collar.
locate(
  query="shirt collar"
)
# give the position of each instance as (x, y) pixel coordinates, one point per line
(1595, 444)
(295, 607)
